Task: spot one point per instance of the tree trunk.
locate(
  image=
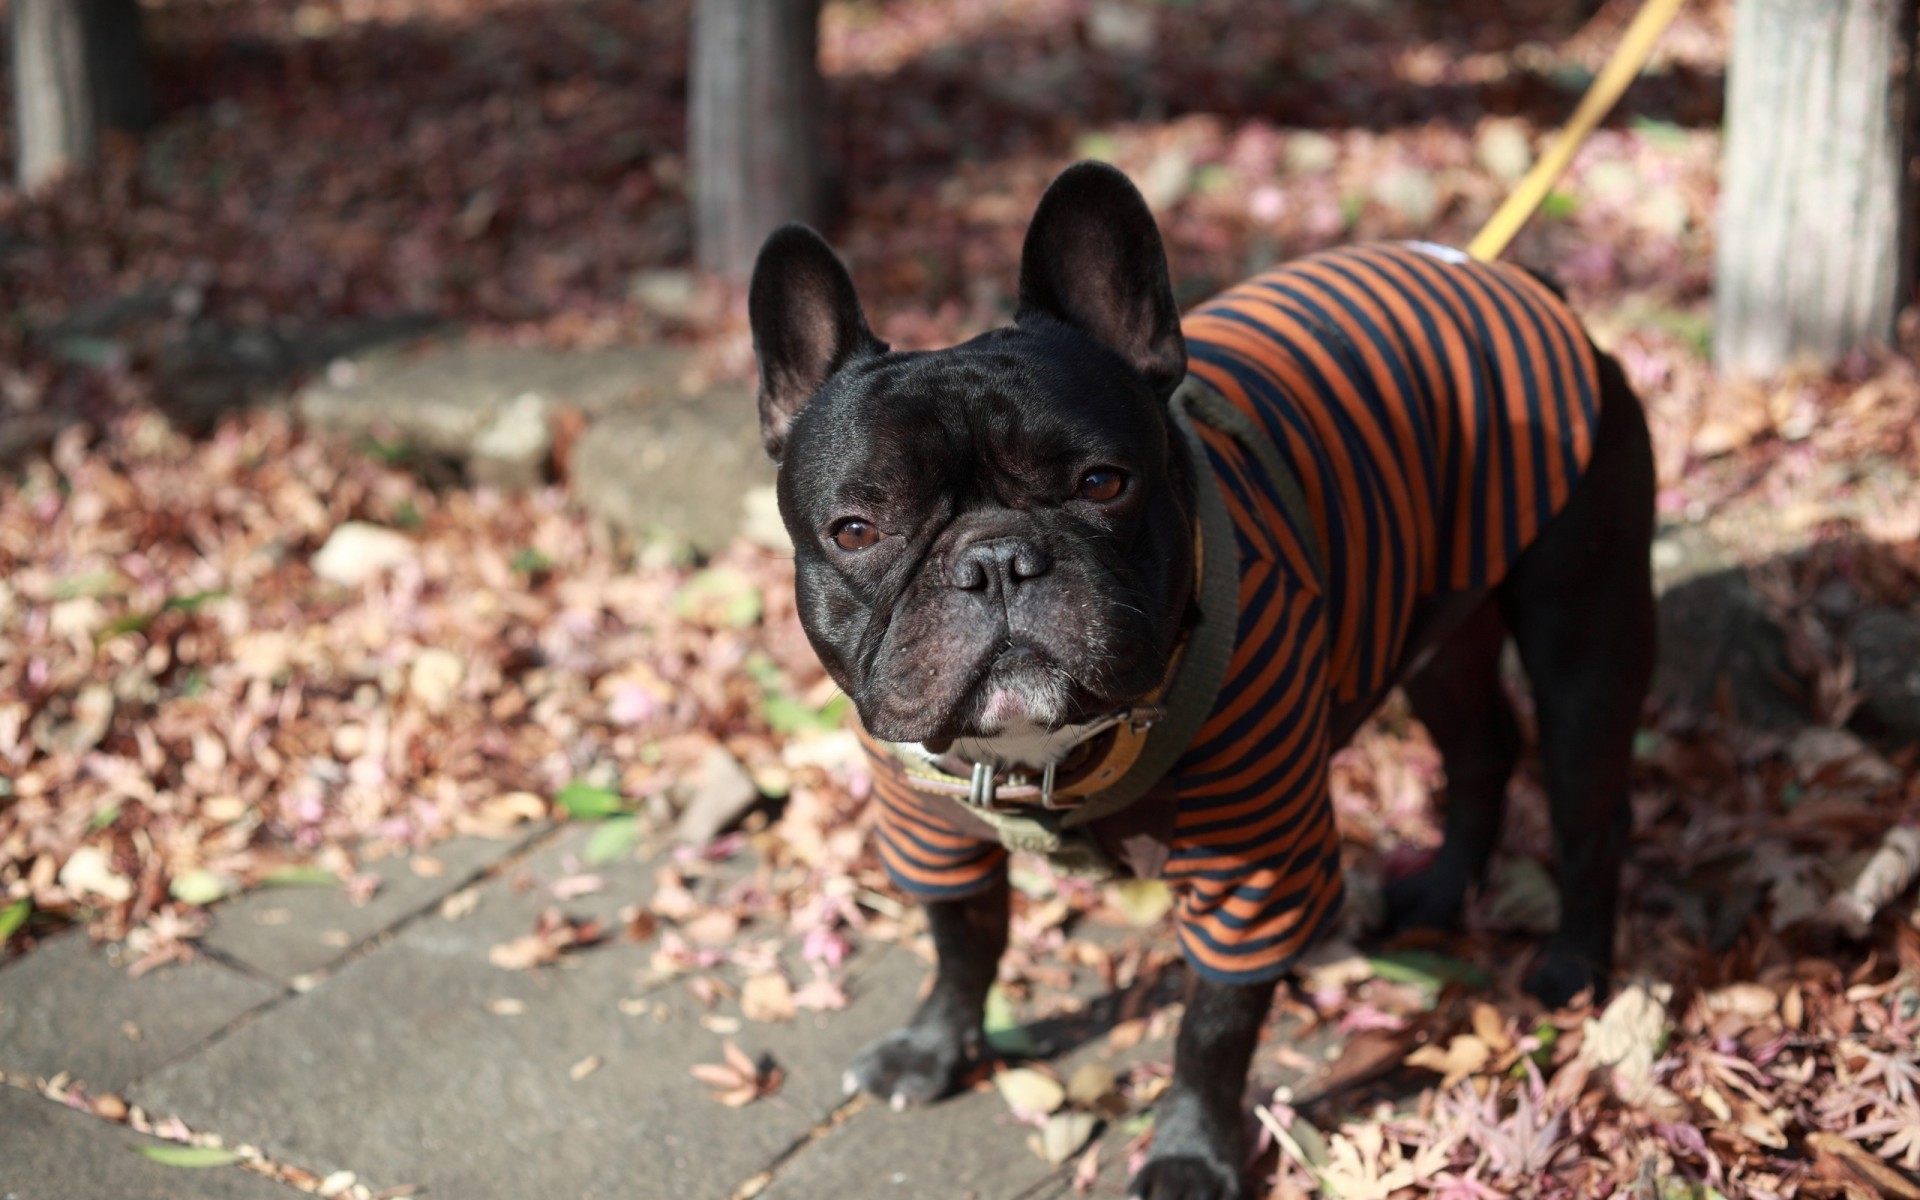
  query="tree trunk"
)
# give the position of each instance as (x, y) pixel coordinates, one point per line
(117, 55)
(754, 126)
(1817, 222)
(53, 100)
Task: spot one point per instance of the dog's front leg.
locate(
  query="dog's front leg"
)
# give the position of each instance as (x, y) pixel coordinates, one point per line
(922, 1061)
(1198, 1145)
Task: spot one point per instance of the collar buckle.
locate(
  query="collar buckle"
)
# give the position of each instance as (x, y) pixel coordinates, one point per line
(983, 789)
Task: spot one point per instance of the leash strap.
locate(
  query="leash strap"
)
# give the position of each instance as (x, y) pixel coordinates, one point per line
(1636, 46)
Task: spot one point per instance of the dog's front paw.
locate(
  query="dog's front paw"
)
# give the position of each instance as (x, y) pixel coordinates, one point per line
(1563, 975)
(1185, 1177)
(914, 1065)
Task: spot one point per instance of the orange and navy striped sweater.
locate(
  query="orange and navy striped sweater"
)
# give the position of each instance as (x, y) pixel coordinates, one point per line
(1437, 411)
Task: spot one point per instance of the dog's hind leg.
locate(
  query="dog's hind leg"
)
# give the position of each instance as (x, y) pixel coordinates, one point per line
(1457, 695)
(1580, 604)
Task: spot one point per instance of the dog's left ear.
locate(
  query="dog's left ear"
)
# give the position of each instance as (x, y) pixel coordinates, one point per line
(807, 324)
(1093, 260)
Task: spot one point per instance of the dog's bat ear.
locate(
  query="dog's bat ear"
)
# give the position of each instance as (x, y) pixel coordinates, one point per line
(1093, 259)
(807, 324)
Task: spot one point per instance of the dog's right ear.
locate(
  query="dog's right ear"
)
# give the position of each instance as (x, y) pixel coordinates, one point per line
(1093, 260)
(807, 324)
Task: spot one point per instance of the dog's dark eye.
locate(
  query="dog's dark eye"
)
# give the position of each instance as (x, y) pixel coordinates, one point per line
(1101, 484)
(854, 534)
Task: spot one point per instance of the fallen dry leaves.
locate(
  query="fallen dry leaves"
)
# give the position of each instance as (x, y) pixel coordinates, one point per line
(739, 1080)
(554, 934)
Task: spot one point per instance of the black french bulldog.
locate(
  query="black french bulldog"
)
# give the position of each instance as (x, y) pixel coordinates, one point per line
(995, 557)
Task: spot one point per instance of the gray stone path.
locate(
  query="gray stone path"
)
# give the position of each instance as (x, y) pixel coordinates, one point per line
(379, 1040)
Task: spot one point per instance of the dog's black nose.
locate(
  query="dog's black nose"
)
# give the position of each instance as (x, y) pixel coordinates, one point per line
(1006, 561)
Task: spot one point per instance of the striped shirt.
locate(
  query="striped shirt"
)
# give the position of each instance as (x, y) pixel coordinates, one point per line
(1437, 412)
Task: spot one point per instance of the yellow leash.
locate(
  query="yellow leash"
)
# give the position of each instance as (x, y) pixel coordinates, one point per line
(1628, 58)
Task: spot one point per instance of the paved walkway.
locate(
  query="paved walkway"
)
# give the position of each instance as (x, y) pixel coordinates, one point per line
(379, 1040)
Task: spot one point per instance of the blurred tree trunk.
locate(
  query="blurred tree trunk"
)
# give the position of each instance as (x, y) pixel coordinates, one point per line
(53, 101)
(754, 126)
(1817, 221)
(78, 66)
(117, 53)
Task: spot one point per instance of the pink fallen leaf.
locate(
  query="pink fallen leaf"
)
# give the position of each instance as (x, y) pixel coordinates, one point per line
(739, 1080)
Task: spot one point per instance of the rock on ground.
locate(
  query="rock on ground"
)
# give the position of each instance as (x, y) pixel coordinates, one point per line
(483, 406)
(356, 551)
(685, 468)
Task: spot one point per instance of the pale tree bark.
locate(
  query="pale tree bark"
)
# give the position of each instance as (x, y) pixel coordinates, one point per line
(753, 126)
(79, 66)
(1817, 221)
(55, 127)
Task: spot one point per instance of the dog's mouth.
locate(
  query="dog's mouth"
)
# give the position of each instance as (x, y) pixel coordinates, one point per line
(1021, 687)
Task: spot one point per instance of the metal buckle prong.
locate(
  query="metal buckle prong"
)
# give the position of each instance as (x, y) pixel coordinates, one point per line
(980, 795)
(1046, 786)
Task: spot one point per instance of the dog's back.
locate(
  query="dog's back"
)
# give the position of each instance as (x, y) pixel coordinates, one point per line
(1437, 410)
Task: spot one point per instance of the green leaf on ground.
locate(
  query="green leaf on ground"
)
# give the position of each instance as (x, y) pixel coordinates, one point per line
(588, 802)
(1142, 901)
(1102, 146)
(1426, 969)
(1548, 1035)
(1004, 1032)
(89, 583)
(1559, 205)
(189, 1156)
(131, 623)
(13, 916)
(191, 601)
(788, 715)
(719, 596)
(393, 454)
(85, 351)
(299, 877)
(1661, 135)
(198, 887)
(614, 839)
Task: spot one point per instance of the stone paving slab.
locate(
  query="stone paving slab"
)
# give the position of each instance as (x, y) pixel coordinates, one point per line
(685, 467)
(70, 1006)
(51, 1152)
(285, 932)
(967, 1147)
(401, 1066)
(442, 398)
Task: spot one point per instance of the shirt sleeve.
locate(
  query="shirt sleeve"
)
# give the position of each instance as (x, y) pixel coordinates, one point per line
(1256, 855)
(923, 842)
